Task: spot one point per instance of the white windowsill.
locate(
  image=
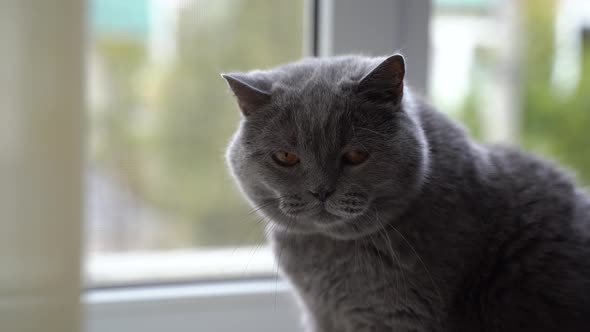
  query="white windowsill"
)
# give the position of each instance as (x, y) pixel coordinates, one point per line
(174, 266)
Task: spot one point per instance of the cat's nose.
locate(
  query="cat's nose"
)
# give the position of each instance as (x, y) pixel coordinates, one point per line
(321, 193)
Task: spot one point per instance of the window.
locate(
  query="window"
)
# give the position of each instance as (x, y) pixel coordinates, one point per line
(516, 72)
(161, 206)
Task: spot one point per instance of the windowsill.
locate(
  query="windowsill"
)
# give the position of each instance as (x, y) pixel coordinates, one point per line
(178, 266)
(184, 292)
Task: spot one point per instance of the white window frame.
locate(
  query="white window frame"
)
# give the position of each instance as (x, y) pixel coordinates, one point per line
(375, 27)
(41, 148)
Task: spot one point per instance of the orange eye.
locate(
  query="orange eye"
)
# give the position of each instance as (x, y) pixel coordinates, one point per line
(355, 157)
(285, 158)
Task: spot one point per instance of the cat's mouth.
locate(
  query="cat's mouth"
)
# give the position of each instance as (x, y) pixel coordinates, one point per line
(325, 215)
(339, 221)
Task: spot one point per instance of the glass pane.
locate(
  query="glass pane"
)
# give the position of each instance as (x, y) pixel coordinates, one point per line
(517, 72)
(160, 117)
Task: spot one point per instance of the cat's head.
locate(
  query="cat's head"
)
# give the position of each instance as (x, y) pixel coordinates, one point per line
(328, 146)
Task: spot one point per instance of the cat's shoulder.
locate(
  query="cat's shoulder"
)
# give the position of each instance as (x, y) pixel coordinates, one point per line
(524, 168)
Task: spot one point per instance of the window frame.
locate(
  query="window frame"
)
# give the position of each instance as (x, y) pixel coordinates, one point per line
(375, 27)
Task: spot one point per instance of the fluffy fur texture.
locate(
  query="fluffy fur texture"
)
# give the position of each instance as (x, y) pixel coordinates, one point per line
(433, 232)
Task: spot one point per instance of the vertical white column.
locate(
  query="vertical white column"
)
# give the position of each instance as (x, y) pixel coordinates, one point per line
(41, 122)
(502, 103)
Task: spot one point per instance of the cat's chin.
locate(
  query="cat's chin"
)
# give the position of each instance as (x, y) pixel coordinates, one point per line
(348, 230)
(339, 230)
(326, 219)
(318, 221)
(329, 225)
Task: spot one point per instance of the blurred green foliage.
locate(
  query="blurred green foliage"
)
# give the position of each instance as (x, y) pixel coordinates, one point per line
(553, 124)
(198, 115)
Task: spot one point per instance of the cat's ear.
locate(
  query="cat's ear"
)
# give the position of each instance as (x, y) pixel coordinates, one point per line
(385, 83)
(249, 97)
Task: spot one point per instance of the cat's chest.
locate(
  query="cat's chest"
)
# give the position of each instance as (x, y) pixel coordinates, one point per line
(362, 280)
(319, 266)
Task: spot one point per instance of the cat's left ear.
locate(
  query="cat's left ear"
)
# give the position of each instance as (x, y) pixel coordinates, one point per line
(250, 98)
(385, 83)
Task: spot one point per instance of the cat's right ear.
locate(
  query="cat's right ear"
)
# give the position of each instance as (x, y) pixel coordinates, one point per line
(249, 98)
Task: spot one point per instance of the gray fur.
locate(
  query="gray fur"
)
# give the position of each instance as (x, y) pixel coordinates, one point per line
(434, 232)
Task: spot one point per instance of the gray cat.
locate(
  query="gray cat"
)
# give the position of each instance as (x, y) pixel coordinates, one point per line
(385, 216)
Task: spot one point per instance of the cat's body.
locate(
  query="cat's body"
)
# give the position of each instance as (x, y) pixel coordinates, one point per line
(432, 232)
(475, 240)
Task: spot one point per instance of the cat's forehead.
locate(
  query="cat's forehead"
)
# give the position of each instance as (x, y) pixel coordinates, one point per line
(314, 100)
(318, 84)
(316, 105)
(315, 97)
(316, 73)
